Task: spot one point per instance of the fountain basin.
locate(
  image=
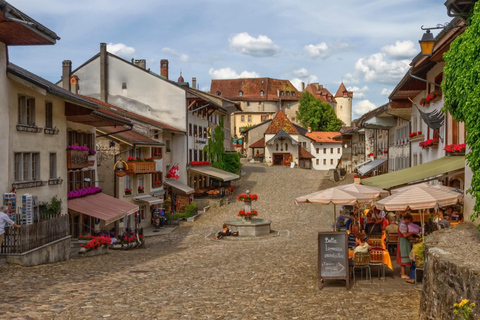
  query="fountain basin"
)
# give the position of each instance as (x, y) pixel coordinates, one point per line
(250, 228)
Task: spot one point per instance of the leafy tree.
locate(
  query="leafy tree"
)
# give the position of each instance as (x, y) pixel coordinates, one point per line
(220, 159)
(461, 89)
(316, 114)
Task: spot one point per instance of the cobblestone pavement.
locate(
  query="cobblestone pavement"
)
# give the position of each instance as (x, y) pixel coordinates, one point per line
(187, 275)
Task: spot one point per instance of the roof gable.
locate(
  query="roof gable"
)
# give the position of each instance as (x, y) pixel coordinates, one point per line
(281, 122)
(341, 90)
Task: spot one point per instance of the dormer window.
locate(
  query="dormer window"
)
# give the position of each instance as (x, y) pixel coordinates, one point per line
(293, 94)
(281, 93)
(262, 93)
(288, 93)
(240, 93)
(218, 93)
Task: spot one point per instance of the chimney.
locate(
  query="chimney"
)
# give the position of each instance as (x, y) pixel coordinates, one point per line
(103, 73)
(303, 86)
(164, 68)
(142, 63)
(74, 84)
(66, 72)
(309, 129)
(194, 83)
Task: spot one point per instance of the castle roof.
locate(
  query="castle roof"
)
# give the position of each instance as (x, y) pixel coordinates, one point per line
(320, 92)
(341, 90)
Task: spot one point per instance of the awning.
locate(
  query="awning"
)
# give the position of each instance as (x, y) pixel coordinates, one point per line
(214, 172)
(370, 166)
(362, 163)
(149, 199)
(179, 186)
(102, 206)
(416, 173)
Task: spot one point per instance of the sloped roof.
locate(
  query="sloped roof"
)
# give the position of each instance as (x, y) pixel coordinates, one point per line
(279, 135)
(130, 136)
(320, 92)
(281, 122)
(259, 144)
(273, 89)
(341, 90)
(324, 137)
(304, 154)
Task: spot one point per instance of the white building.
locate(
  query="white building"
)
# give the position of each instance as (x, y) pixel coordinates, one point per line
(326, 149)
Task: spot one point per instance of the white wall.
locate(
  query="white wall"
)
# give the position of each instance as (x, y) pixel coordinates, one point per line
(343, 110)
(328, 156)
(5, 156)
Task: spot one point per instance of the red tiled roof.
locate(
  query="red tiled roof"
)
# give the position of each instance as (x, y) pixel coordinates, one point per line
(251, 88)
(324, 137)
(304, 154)
(109, 108)
(130, 136)
(281, 122)
(259, 144)
(341, 90)
(320, 92)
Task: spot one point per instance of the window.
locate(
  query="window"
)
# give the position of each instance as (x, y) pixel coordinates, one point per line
(194, 130)
(167, 145)
(200, 131)
(331, 161)
(305, 145)
(156, 180)
(157, 153)
(218, 93)
(248, 103)
(53, 166)
(190, 155)
(338, 150)
(48, 115)
(127, 182)
(324, 150)
(293, 94)
(331, 150)
(288, 93)
(281, 93)
(324, 161)
(78, 138)
(318, 162)
(124, 85)
(27, 166)
(81, 179)
(242, 118)
(318, 150)
(190, 129)
(286, 146)
(140, 182)
(143, 214)
(276, 147)
(26, 111)
(240, 93)
(262, 93)
(249, 118)
(195, 157)
(200, 155)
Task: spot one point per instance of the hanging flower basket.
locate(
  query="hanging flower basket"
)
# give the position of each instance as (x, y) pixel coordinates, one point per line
(432, 97)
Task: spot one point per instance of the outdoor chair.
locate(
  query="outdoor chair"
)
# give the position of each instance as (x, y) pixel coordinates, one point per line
(361, 261)
(375, 242)
(376, 259)
(392, 241)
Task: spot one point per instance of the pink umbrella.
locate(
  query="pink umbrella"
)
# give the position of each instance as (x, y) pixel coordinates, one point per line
(360, 188)
(335, 196)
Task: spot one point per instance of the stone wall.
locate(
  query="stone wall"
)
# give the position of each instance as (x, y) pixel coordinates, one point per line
(55, 251)
(452, 271)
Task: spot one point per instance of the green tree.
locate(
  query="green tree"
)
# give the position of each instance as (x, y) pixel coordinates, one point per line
(461, 89)
(220, 159)
(316, 114)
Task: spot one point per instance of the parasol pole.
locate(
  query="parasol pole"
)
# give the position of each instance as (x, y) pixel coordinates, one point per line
(334, 217)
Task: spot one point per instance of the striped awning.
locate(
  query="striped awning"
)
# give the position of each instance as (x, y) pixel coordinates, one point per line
(215, 173)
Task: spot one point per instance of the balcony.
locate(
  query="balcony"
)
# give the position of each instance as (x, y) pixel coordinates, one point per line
(77, 159)
(141, 167)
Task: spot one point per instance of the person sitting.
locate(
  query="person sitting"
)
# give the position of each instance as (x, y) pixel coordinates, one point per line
(362, 245)
(373, 228)
(352, 235)
(225, 232)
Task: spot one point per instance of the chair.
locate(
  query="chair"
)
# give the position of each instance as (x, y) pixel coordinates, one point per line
(392, 241)
(375, 242)
(361, 261)
(376, 259)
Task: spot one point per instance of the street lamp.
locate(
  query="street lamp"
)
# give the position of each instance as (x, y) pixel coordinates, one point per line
(427, 43)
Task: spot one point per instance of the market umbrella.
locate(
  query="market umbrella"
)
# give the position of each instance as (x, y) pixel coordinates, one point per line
(418, 198)
(336, 196)
(360, 188)
(430, 186)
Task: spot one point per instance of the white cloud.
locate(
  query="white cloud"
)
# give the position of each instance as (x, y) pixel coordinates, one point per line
(323, 51)
(358, 93)
(351, 78)
(262, 46)
(181, 56)
(121, 50)
(302, 72)
(228, 73)
(386, 92)
(400, 50)
(362, 107)
(377, 68)
(302, 75)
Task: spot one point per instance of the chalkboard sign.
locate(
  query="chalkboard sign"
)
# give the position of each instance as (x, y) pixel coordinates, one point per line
(333, 257)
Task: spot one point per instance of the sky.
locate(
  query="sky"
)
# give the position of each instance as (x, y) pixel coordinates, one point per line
(366, 44)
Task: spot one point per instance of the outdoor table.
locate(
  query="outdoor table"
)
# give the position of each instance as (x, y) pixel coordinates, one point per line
(386, 259)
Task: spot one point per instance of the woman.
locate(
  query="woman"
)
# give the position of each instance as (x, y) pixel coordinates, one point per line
(404, 247)
(224, 232)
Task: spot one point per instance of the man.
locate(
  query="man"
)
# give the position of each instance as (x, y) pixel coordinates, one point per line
(5, 219)
(373, 228)
(350, 221)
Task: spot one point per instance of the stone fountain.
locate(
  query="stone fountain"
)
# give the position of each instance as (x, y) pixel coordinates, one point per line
(249, 226)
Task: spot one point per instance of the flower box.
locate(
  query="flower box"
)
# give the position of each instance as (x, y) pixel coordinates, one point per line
(142, 167)
(77, 159)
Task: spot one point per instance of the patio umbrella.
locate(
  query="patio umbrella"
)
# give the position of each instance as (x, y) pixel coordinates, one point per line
(336, 196)
(418, 198)
(360, 188)
(436, 186)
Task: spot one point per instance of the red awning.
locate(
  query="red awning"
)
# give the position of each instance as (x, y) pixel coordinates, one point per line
(102, 206)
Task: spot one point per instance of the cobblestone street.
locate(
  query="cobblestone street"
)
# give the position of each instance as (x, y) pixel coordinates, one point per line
(188, 275)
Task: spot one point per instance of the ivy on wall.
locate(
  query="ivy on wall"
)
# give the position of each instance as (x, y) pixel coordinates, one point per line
(461, 89)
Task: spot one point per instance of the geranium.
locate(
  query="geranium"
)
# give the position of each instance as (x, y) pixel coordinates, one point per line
(370, 154)
(97, 242)
(130, 159)
(455, 148)
(128, 190)
(413, 134)
(428, 143)
(419, 132)
(148, 159)
(247, 197)
(200, 163)
(421, 144)
(252, 214)
(158, 154)
(83, 192)
(81, 148)
(138, 159)
(141, 189)
(157, 182)
(423, 102)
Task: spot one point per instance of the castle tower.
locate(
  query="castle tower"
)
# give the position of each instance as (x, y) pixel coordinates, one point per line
(343, 109)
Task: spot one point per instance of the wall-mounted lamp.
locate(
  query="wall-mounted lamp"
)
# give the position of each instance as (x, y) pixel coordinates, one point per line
(428, 41)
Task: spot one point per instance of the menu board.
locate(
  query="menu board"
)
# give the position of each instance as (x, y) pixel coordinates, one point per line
(333, 257)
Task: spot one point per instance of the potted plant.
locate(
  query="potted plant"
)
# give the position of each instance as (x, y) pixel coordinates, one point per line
(419, 252)
(128, 191)
(141, 189)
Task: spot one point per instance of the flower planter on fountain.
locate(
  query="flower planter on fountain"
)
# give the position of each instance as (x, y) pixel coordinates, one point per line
(249, 226)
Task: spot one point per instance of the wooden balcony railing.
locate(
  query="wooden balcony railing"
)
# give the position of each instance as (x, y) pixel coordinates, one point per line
(141, 167)
(77, 159)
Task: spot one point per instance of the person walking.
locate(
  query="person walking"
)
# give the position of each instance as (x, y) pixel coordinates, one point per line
(5, 219)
